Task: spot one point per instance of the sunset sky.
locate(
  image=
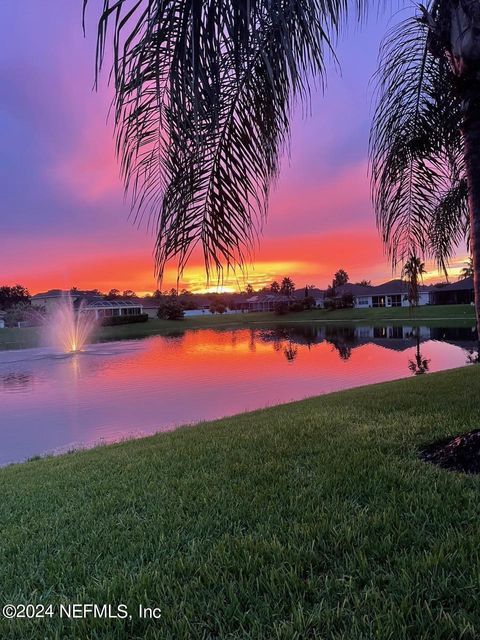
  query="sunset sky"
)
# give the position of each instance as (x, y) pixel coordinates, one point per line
(63, 219)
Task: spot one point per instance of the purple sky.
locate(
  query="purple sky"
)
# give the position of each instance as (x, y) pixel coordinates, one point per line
(63, 219)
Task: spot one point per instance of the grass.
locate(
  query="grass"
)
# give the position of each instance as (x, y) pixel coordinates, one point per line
(309, 520)
(449, 315)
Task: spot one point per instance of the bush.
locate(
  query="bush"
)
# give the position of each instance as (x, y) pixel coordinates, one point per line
(171, 309)
(281, 308)
(22, 312)
(113, 321)
(309, 303)
(297, 306)
(217, 307)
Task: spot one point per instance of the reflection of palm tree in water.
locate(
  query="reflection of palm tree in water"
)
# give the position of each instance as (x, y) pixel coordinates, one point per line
(342, 339)
(290, 352)
(420, 365)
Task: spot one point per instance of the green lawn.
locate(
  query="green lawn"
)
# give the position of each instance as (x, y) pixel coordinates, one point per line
(451, 315)
(309, 520)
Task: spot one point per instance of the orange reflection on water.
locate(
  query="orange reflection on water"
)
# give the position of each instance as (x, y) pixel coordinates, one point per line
(127, 389)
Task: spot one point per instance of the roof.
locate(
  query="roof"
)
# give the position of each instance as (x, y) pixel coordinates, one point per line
(60, 293)
(112, 304)
(52, 293)
(312, 292)
(268, 297)
(395, 287)
(462, 285)
(353, 289)
(392, 287)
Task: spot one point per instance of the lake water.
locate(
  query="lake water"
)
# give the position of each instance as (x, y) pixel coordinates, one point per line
(51, 403)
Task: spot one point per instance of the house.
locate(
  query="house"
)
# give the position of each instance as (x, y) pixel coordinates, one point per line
(112, 308)
(361, 295)
(393, 293)
(267, 301)
(50, 299)
(149, 305)
(460, 292)
(311, 292)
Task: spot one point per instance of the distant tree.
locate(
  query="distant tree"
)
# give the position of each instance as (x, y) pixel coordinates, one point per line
(249, 290)
(173, 293)
(467, 271)
(412, 273)
(171, 309)
(218, 306)
(157, 293)
(128, 293)
(112, 294)
(275, 287)
(10, 296)
(340, 278)
(365, 283)
(287, 287)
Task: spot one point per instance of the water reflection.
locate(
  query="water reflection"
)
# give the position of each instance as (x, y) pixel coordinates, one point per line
(346, 339)
(16, 381)
(129, 389)
(420, 365)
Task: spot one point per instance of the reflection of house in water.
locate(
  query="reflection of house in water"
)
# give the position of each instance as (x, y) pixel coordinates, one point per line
(346, 338)
(465, 337)
(397, 337)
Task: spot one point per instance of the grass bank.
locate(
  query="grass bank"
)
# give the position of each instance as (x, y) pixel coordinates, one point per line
(449, 315)
(309, 520)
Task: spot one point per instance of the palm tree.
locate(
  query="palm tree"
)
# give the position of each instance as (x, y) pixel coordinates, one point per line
(425, 138)
(467, 271)
(203, 96)
(275, 287)
(413, 271)
(287, 287)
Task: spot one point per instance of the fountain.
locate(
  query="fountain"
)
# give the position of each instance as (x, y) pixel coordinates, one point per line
(68, 329)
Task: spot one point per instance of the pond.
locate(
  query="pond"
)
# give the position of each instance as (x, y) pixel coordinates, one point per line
(51, 403)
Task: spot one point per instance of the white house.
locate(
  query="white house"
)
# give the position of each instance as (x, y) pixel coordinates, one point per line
(389, 294)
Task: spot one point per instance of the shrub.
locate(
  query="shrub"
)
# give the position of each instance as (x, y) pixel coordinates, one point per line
(171, 309)
(297, 306)
(309, 302)
(113, 321)
(281, 308)
(217, 307)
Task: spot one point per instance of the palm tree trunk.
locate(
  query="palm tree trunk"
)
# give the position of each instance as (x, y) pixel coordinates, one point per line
(471, 133)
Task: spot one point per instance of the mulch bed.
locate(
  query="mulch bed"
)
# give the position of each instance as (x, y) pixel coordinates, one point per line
(461, 453)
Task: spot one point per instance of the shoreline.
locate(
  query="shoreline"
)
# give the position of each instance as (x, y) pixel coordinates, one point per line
(452, 315)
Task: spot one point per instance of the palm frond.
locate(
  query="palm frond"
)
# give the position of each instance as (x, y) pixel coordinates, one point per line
(203, 95)
(449, 225)
(416, 156)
